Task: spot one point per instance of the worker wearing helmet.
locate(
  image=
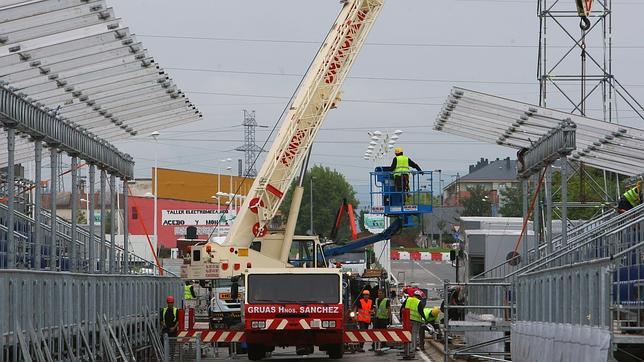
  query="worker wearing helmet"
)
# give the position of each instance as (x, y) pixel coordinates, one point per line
(631, 198)
(432, 317)
(400, 167)
(363, 309)
(415, 305)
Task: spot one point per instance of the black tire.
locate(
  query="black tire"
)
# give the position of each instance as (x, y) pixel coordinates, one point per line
(336, 351)
(255, 352)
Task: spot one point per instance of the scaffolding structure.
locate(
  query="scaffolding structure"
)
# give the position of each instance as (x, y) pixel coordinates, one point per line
(588, 80)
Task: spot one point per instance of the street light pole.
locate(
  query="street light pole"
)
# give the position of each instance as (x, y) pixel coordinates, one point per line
(155, 135)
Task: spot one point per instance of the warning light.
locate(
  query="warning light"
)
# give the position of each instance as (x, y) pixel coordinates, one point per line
(232, 249)
(208, 248)
(237, 266)
(248, 265)
(224, 266)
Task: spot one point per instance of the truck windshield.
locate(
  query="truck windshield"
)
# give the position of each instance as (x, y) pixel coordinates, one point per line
(293, 288)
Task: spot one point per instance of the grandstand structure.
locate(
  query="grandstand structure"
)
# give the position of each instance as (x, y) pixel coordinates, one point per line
(73, 80)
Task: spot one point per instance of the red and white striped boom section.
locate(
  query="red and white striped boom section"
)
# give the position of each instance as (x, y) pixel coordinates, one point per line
(318, 92)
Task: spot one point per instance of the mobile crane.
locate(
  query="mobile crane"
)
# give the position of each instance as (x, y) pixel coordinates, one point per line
(283, 305)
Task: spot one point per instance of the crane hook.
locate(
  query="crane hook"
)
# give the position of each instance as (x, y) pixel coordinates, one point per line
(584, 23)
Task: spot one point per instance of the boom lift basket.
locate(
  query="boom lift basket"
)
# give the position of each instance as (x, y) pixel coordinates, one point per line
(390, 200)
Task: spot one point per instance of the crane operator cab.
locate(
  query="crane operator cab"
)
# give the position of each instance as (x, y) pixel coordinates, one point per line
(407, 199)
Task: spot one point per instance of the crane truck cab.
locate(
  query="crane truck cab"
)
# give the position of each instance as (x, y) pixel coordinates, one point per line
(299, 307)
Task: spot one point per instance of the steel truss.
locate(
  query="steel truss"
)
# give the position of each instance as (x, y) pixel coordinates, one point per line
(40, 123)
(76, 57)
(562, 71)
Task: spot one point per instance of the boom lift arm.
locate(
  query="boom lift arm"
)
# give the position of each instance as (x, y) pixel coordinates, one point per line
(395, 226)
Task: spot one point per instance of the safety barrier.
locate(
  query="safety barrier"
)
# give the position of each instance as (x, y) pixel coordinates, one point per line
(420, 255)
(70, 316)
(482, 312)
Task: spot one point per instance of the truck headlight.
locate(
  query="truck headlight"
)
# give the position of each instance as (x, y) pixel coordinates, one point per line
(325, 324)
(331, 324)
(261, 324)
(254, 324)
(352, 314)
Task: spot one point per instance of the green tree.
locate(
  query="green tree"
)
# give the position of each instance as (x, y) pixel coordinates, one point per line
(80, 218)
(476, 203)
(329, 189)
(587, 186)
(512, 201)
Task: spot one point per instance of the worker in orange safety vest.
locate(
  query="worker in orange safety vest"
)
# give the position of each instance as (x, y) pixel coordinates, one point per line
(364, 309)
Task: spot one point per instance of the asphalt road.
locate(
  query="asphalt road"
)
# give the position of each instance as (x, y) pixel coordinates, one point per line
(424, 273)
(288, 354)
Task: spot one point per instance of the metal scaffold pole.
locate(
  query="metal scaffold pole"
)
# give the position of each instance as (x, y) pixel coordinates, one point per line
(101, 233)
(10, 184)
(90, 219)
(126, 212)
(74, 203)
(38, 234)
(52, 197)
(113, 219)
(564, 201)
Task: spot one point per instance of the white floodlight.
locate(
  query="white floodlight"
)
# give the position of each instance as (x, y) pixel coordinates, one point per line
(377, 133)
(375, 138)
(373, 143)
(371, 147)
(394, 137)
(398, 132)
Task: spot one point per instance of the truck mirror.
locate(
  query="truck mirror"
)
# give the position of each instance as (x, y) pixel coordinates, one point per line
(452, 255)
(234, 289)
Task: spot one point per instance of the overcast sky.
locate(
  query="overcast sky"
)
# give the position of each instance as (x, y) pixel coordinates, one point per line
(233, 55)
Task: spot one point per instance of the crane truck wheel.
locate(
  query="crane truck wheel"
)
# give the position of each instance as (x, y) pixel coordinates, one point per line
(335, 351)
(256, 352)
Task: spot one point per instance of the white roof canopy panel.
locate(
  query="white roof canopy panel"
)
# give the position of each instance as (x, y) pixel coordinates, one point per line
(77, 57)
(492, 119)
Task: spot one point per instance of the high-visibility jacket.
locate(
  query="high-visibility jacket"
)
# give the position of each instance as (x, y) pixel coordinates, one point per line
(364, 312)
(187, 292)
(174, 312)
(632, 196)
(428, 315)
(381, 312)
(402, 165)
(412, 304)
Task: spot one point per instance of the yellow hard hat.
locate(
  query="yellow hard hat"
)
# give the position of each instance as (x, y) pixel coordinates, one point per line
(398, 150)
(436, 311)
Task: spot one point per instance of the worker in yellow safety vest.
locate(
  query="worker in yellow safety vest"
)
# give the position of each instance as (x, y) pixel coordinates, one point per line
(383, 313)
(188, 291)
(631, 198)
(169, 319)
(415, 305)
(432, 316)
(400, 167)
(363, 308)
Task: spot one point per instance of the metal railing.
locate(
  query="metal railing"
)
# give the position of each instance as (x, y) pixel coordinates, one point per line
(26, 245)
(481, 312)
(577, 236)
(71, 316)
